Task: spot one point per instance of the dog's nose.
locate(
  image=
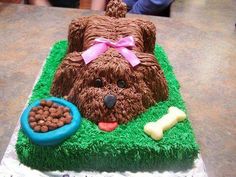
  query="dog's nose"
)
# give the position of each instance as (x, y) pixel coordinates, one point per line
(110, 101)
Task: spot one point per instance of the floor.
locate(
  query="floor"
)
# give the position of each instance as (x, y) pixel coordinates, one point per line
(223, 23)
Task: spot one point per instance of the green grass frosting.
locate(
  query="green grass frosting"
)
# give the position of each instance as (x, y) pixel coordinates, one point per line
(125, 148)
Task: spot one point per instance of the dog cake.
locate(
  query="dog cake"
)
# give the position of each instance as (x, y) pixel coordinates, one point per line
(109, 89)
(121, 83)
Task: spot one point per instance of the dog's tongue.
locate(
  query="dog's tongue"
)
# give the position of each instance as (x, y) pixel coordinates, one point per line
(107, 126)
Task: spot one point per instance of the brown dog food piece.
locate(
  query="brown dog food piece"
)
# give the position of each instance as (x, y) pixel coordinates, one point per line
(32, 119)
(44, 118)
(54, 105)
(59, 112)
(49, 103)
(53, 114)
(67, 120)
(40, 111)
(38, 116)
(61, 108)
(52, 126)
(58, 106)
(46, 113)
(32, 114)
(43, 102)
(52, 110)
(46, 108)
(35, 109)
(54, 120)
(33, 124)
(49, 118)
(68, 117)
(66, 114)
(44, 129)
(37, 128)
(60, 123)
(41, 122)
(66, 109)
(40, 107)
(47, 123)
(63, 120)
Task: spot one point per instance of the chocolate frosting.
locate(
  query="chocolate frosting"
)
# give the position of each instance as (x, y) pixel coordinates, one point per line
(116, 8)
(142, 86)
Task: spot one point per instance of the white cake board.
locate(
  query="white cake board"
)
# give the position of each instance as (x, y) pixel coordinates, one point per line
(11, 167)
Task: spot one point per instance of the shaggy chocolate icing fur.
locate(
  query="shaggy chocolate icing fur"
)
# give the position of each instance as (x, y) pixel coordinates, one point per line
(116, 8)
(134, 88)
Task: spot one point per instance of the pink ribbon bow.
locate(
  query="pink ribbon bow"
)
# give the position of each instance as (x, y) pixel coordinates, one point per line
(101, 45)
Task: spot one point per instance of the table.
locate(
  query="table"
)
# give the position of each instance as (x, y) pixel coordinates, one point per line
(203, 58)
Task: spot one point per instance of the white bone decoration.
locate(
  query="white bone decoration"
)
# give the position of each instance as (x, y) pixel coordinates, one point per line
(156, 129)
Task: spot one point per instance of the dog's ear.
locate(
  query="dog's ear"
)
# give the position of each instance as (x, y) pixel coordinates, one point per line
(153, 76)
(149, 35)
(67, 74)
(76, 34)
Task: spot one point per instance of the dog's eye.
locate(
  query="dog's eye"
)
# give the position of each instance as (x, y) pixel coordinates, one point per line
(98, 83)
(121, 83)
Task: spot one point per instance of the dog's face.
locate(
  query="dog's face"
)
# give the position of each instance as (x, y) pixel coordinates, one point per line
(109, 89)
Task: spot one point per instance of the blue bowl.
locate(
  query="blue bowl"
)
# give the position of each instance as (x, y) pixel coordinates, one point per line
(56, 136)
